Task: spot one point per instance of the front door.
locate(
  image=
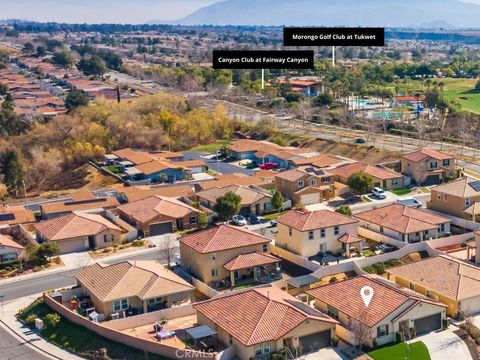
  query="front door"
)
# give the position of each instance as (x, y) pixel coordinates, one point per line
(91, 242)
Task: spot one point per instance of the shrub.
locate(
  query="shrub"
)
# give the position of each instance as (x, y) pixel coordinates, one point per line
(37, 268)
(30, 319)
(51, 320)
(370, 270)
(392, 262)
(380, 268)
(335, 341)
(106, 250)
(138, 243)
(332, 279)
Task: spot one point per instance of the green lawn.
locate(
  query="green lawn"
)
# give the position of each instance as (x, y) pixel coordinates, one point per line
(211, 148)
(460, 90)
(365, 198)
(274, 216)
(418, 351)
(79, 340)
(400, 192)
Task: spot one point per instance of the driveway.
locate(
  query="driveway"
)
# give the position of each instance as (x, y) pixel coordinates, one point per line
(220, 166)
(445, 345)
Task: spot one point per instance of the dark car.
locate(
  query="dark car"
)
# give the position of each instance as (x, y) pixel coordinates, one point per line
(273, 223)
(253, 219)
(360, 141)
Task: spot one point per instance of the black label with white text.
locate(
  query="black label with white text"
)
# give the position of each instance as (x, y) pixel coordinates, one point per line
(252, 59)
(318, 36)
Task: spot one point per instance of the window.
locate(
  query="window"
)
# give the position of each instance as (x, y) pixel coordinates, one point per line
(310, 235)
(289, 231)
(323, 247)
(326, 180)
(433, 165)
(381, 229)
(193, 220)
(265, 247)
(119, 305)
(467, 202)
(266, 347)
(105, 238)
(439, 196)
(322, 233)
(429, 294)
(445, 197)
(382, 330)
(300, 184)
(214, 256)
(230, 339)
(214, 272)
(441, 228)
(332, 312)
(336, 230)
(258, 349)
(313, 182)
(446, 162)
(411, 286)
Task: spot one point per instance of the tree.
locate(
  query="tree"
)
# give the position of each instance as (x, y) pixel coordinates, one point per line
(41, 51)
(64, 58)
(75, 99)
(52, 320)
(168, 247)
(39, 254)
(360, 183)
(477, 86)
(228, 205)
(203, 220)
(344, 210)
(277, 201)
(13, 171)
(361, 333)
(28, 48)
(93, 65)
(323, 99)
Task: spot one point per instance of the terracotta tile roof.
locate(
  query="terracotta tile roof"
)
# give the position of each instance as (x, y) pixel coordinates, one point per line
(319, 161)
(452, 278)
(135, 193)
(74, 225)
(258, 315)
(425, 153)
(232, 179)
(461, 187)
(350, 239)
(190, 163)
(402, 219)
(83, 204)
(245, 261)
(265, 174)
(345, 297)
(347, 170)
(83, 195)
(312, 220)
(302, 172)
(249, 196)
(7, 241)
(133, 156)
(144, 279)
(221, 238)
(147, 209)
(153, 167)
(12, 215)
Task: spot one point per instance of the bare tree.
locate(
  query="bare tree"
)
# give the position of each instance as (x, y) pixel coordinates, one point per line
(168, 247)
(361, 333)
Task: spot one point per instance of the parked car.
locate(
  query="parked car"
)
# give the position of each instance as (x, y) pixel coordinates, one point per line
(239, 220)
(253, 219)
(360, 141)
(410, 202)
(268, 166)
(379, 193)
(273, 223)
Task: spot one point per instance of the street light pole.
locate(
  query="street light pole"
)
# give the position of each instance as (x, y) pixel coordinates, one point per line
(25, 193)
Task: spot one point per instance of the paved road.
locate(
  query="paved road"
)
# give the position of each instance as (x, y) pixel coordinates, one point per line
(221, 167)
(13, 349)
(59, 280)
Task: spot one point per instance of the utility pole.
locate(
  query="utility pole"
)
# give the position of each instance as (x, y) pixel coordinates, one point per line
(25, 193)
(333, 55)
(263, 79)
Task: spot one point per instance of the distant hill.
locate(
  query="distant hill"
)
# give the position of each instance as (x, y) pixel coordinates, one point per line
(388, 13)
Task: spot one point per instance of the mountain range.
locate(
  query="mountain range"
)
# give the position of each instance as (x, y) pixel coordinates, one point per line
(387, 13)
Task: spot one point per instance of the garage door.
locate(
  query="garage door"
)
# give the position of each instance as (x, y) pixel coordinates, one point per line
(432, 180)
(428, 324)
(74, 245)
(314, 342)
(309, 199)
(161, 228)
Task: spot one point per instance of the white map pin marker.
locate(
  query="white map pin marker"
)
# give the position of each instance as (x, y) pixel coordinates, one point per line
(367, 294)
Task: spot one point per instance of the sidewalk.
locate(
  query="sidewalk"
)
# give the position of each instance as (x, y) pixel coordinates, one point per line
(28, 337)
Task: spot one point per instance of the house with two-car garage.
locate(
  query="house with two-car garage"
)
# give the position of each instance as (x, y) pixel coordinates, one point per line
(392, 313)
(158, 215)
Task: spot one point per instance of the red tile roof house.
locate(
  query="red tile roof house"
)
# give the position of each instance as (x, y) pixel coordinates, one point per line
(78, 232)
(306, 233)
(158, 215)
(428, 166)
(392, 310)
(262, 321)
(228, 253)
(404, 223)
(9, 250)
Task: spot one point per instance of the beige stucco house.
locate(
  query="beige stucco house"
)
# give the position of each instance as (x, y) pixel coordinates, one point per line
(428, 166)
(9, 250)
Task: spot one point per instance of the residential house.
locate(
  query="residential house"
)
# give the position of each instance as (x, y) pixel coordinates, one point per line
(227, 180)
(157, 215)
(453, 282)
(82, 201)
(392, 311)
(133, 287)
(10, 250)
(404, 223)
(306, 87)
(382, 177)
(134, 193)
(306, 233)
(15, 215)
(255, 200)
(78, 232)
(428, 166)
(267, 176)
(460, 198)
(320, 161)
(259, 322)
(412, 101)
(228, 253)
(306, 185)
(156, 171)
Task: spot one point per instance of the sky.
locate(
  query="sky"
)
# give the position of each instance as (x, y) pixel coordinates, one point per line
(98, 11)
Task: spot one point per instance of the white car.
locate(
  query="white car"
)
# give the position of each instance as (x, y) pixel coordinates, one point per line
(379, 193)
(239, 220)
